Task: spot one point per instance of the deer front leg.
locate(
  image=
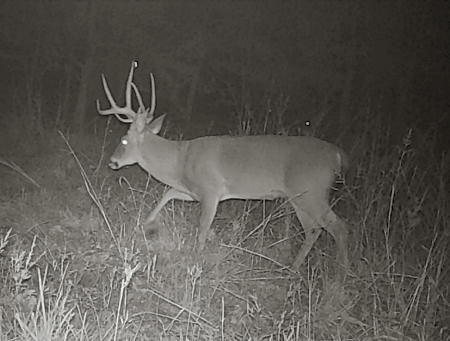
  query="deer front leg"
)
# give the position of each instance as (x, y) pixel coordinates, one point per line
(169, 195)
(208, 211)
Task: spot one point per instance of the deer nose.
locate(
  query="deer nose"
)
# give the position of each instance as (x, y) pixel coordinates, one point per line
(113, 165)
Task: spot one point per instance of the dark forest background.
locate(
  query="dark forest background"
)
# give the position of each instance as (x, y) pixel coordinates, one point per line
(77, 260)
(212, 59)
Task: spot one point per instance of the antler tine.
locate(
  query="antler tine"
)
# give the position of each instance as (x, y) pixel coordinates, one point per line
(139, 98)
(129, 84)
(153, 99)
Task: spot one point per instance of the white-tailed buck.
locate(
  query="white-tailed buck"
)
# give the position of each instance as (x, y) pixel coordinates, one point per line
(210, 169)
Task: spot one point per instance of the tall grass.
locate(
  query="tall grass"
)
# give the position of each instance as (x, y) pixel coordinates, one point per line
(114, 280)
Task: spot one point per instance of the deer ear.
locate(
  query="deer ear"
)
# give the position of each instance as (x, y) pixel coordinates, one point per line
(156, 124)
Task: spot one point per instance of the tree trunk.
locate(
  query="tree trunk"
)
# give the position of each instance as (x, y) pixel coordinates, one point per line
(87, 68)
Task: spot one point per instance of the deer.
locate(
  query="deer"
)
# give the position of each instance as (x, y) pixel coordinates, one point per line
(211, 169)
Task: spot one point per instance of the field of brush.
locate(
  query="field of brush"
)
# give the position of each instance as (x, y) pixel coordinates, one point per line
(77, 264)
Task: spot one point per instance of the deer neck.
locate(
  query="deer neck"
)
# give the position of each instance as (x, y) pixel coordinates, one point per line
(159, 157)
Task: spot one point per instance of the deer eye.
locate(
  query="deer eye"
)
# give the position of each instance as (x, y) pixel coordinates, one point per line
(124, 142)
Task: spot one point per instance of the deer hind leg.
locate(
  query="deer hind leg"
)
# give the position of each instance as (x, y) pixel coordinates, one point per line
(338, 229)
(314, 214)
(312, 232)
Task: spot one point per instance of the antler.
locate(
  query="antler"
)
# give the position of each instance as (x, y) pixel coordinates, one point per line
(127, 110)
(152, 100)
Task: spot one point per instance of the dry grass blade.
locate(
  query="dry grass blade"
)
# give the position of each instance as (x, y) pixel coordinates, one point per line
(14, 166)
(91, 191)
(184, 309)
